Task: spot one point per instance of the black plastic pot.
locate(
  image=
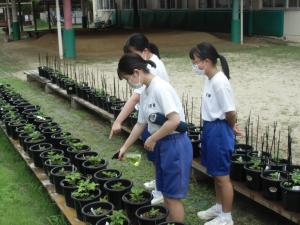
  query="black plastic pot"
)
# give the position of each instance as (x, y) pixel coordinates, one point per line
(71, 152)
(70, 88)
(195, 139)
(29, 142)
(242, 149)
(106, 220)
(281, 165)
(21, 106)
(92, 219)
(48, 166)
(57, 138)
(57, 177)
(237, 171)
(50, 125)
(115, 196)
(253, 179)
(38, 121)
(22, 136)
(67, 190)
(48, 132)
(271, 187)
(44, 156)
(116, 109)
(65, 145)
(131, 207)
(101, 178)
(14, 125)
(80, 203)
(152, 221)
(81, 157)
(290, 197)
(88, 168)
(35, 150)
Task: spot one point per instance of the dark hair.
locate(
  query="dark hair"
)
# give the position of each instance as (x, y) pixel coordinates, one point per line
(131, 61)
(154, 49)
(140, 42)
(206, 50)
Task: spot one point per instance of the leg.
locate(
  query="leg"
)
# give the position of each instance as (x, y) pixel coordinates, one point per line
(225, 192)
(176, 209)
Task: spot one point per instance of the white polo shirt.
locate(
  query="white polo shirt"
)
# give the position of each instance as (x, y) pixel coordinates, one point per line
(159, 70)
(160, 97)
(217, 97)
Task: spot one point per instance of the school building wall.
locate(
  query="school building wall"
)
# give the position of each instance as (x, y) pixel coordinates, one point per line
(291, 25)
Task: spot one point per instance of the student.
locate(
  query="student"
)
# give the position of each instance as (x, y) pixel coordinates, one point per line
(173, 150)
(139, 44)
(219, 118)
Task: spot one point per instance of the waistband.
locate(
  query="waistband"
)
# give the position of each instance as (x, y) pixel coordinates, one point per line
(173, 136)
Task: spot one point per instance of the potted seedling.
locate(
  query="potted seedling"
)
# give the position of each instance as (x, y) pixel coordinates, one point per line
(85, 193)
(93, 164)
(59, 173)
(13, 125)
(75, 148)
(152, 214)
(115, 189)
(117, 218)
(253, 170)
(68, 185)
(45, 154)
(237, 171)
(67, 142)
(95, 211)
(47, 125)
(48, 132)
(34, 138)
(40, 118)
(35, 151)
(82, 157)
(271, 180)
(135, 199)
(58, 137)
(23, 132)
(54, 160)
(101, 176)
(291, 191)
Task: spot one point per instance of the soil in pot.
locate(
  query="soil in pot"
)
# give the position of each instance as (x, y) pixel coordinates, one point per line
(35, 151)
(93, 164)
(271, 180)
(95, 211)
(101, 176)
(135, 199)
(59, 173)
(237, 171)
(253, 170)
(81, 157)
(48, 125)
(152, 215)
(115, 189)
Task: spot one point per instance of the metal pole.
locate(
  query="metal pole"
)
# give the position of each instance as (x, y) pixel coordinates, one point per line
(59, 36)
(8, 19)
(242, 22)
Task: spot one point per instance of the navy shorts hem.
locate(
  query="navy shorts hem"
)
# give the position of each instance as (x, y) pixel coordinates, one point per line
(172, 196)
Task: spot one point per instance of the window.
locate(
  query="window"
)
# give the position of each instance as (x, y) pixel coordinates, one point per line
(268, 3)
(275, 3)
(204, 4)
(222, 4)
(280, 3)
(294, 3)
(127, 4)
(106, 4)
(171, 4)
(143, 4)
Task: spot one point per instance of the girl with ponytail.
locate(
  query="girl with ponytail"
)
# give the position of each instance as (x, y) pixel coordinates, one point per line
(173, 150)
(219, 118)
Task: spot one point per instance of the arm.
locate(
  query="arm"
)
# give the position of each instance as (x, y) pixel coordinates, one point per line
(127, 109)
(134, 135)
(169, 126)
(231, 118)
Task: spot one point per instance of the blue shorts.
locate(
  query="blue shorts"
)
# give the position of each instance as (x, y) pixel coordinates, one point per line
(174, 155)
(144, 136)
(217, 147)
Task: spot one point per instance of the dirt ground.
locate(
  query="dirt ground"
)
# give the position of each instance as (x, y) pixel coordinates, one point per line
(265, 72)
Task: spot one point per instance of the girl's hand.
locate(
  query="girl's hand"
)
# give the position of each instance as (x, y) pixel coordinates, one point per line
(237, 130)
(122, 152)
(150, 144)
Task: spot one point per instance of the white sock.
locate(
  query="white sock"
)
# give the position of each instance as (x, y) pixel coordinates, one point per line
(226, 216)
(218, 207)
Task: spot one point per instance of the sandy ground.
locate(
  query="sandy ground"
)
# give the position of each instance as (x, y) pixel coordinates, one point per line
(266, 86)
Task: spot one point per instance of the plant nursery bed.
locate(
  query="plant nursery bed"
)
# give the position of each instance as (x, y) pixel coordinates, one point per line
(255, 196)
(69, 213)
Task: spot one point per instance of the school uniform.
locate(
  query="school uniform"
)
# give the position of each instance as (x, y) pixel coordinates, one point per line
(173, 153)
(217, 142)
(160, 71)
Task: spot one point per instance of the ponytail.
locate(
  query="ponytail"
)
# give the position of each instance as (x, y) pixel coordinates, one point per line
(154, 49)
(225, 66)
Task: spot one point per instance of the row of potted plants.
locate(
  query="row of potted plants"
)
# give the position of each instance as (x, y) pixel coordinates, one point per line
(76, 172)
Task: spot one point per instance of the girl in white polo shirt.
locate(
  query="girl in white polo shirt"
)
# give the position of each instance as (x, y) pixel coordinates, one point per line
(219, 116)
(173, 150)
